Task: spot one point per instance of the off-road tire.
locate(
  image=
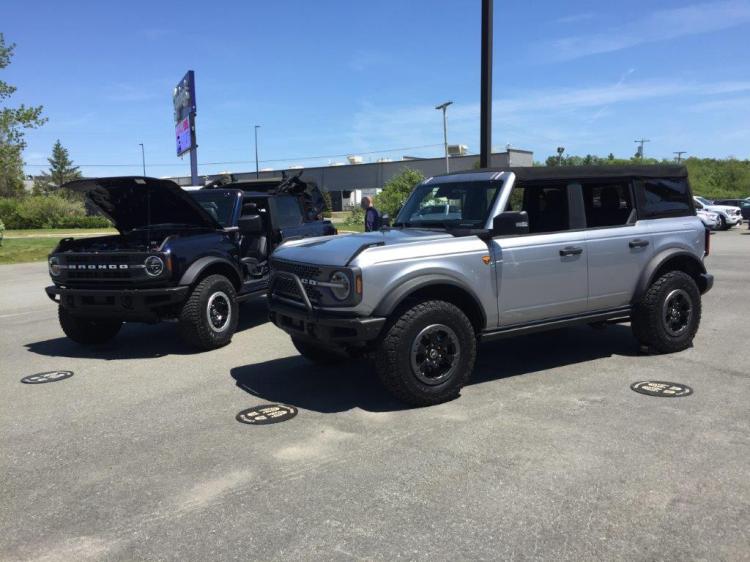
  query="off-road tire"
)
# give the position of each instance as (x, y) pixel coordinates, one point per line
(87, 331)
(194, 325)
(317, 353)
(647, 321)
(393, 358)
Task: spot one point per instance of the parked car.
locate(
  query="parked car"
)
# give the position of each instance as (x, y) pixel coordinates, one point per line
(188, 257)
(743, 204)
(710, 220)
(729, 215)
(533, 249)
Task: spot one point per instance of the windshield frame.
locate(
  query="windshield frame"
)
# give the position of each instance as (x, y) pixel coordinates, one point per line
(215, 195)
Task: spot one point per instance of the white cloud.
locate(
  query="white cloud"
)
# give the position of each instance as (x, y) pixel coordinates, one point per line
(660, 25)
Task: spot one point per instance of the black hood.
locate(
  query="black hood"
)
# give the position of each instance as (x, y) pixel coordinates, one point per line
(136, 202)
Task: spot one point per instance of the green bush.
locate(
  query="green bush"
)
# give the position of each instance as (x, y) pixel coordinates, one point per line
(356, 217)
(47, 212)
(396, 191)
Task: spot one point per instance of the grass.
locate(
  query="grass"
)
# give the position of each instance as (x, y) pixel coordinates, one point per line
(59, 232)
(20, 250)
(350, 227)
(19, 246)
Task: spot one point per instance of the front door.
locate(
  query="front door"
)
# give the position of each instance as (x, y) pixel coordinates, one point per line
(542, 275)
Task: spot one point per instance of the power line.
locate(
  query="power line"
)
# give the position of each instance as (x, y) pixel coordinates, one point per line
(229, 162)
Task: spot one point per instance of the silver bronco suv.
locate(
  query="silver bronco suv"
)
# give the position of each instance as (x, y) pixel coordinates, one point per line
(520, 250)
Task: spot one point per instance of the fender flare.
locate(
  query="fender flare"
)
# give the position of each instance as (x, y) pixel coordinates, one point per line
(397, 295)
(647, 277)
(199, 266)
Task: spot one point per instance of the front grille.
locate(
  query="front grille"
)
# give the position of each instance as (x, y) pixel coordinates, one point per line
(102, 267)
(124, 274)
(286, 287)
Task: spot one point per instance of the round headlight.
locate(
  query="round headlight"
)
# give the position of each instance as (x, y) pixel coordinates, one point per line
(54, 266)
(343, 286)
(154, 266)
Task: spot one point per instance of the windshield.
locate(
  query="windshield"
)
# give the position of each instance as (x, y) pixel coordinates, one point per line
(218, 204)
(704, 200)
(460, 204)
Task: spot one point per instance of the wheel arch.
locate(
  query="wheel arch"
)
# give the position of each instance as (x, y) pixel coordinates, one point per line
(435, 287)
(211, 265)
(671, 260)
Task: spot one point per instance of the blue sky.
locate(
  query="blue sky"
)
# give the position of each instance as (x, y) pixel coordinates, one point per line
(331, 78)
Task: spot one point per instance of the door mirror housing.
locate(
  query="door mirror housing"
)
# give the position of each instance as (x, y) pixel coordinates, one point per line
(510, 223)
(250, 224)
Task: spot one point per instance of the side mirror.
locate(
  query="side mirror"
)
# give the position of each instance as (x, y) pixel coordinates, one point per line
(510, 223)
(385, 220)
(250, 224)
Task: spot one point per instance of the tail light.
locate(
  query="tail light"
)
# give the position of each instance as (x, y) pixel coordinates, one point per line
(707, 242)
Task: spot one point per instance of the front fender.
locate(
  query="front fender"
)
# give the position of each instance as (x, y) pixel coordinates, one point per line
(201, 264)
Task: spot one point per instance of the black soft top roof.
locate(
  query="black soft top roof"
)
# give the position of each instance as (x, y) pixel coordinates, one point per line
(541, 173)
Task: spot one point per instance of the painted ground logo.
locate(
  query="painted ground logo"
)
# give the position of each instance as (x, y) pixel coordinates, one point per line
(266, 414)
(662, 389)
(50, 376)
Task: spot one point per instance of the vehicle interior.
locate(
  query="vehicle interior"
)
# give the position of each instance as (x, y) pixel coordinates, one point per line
(254, 248)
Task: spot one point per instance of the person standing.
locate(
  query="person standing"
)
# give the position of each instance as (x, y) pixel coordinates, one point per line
(372, 217)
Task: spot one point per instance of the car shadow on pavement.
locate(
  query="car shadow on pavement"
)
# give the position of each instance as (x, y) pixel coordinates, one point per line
(143, 341)
(353, 384)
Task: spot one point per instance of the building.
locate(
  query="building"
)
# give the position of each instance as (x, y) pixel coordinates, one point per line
(349, 183)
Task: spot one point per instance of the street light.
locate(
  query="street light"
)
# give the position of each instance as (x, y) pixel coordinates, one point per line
(143, 159)
(444, 106)
(257, 173)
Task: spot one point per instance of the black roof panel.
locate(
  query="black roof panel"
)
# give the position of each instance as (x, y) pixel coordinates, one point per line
(541, 173)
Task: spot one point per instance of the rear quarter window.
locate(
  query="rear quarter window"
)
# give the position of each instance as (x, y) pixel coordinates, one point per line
(665, 198)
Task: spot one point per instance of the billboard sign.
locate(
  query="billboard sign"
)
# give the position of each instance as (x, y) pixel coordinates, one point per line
(183, 97)
(184, 135)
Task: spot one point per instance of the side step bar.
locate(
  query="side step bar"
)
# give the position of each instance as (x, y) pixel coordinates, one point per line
(609, 316)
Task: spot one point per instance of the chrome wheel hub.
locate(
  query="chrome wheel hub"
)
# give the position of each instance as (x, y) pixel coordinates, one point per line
(218, 311)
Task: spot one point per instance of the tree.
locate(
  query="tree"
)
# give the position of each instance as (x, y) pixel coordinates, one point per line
(61, 171)
(396, 190)
(13, 122)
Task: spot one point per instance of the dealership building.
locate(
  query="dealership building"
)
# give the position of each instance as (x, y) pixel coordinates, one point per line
(349, 183)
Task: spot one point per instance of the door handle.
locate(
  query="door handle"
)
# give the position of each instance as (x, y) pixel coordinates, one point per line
(571, 251)
(638, 243)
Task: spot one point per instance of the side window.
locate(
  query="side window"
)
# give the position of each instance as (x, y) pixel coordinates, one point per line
(666, 198)
(546, 205)
(607, 204)
(289, 212)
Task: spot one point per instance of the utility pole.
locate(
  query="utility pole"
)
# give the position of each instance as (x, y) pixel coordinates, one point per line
(143, 159)
(679, 154)
(641, 142)
(485, 118)
(560, 151)
(257, 172)
(444, 106)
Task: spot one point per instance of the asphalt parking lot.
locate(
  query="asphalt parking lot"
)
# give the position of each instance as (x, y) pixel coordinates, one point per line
(548, 454)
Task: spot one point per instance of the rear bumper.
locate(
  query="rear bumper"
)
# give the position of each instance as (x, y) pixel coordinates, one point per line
(325, 328)
(138, 305)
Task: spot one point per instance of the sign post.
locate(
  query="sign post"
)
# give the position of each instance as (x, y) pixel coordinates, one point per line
(183, 100)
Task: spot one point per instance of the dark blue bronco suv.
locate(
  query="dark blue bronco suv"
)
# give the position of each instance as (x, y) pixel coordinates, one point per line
(185, 256)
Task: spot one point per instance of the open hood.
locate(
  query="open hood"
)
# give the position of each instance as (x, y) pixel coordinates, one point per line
(137, 202)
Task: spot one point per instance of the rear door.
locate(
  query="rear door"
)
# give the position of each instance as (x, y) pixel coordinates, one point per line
(542, 275)
(619, 245)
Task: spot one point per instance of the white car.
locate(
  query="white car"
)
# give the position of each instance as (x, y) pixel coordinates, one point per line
(709, 219)
(729, 216)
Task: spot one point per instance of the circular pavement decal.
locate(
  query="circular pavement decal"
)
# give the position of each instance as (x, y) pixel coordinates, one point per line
(662, 389)
(267, 413)
(51, 376)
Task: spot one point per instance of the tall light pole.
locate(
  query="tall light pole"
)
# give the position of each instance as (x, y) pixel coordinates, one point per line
(444, 106)
(143, 159)
(257, 172)
(485, 107)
